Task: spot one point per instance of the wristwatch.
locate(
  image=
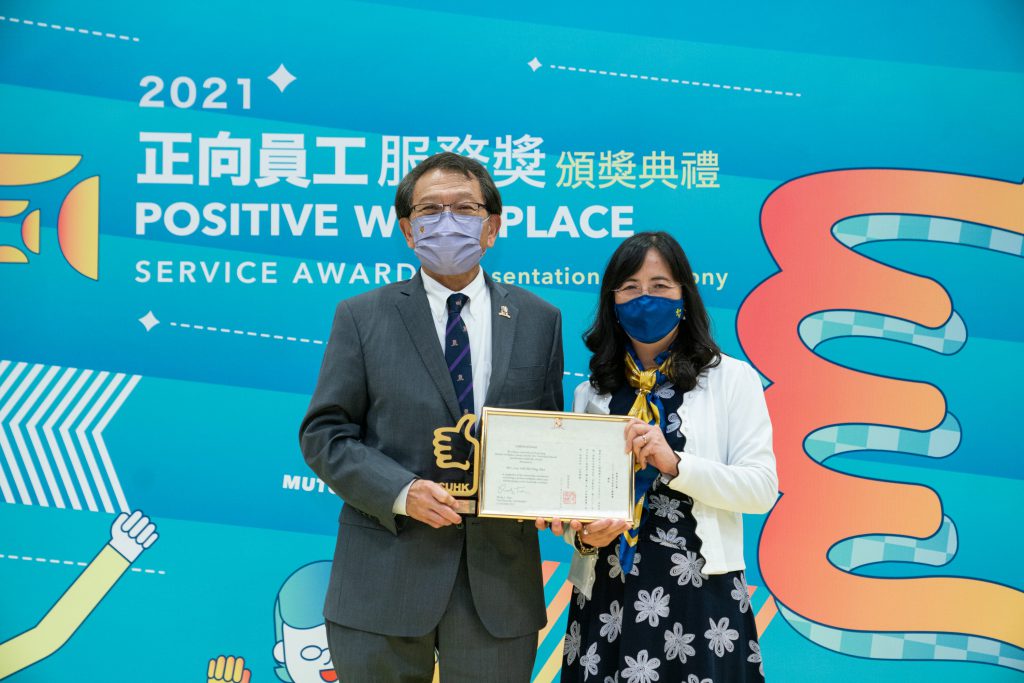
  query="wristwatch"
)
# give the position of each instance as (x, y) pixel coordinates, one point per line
(583, 549)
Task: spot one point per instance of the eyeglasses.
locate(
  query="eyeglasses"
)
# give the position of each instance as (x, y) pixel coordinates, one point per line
(312, 653)
(461, 208)
(633, 290)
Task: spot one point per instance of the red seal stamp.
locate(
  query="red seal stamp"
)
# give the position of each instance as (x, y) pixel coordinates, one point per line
(568, 497)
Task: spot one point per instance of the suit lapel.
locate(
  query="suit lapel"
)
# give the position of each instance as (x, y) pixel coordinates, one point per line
(504, 315)
(414, 310)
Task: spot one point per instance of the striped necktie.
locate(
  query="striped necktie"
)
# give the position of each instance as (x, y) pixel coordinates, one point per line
(456, 353)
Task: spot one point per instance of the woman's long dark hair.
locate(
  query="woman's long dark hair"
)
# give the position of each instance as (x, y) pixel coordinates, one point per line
(693, 350)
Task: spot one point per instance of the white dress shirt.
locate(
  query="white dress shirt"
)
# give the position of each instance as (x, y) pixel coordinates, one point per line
(476, 314)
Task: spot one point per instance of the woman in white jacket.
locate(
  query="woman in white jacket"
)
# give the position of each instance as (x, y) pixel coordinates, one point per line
(666, 600)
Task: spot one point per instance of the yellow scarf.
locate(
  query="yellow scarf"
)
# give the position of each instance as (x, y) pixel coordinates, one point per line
(644, 409)
(643, 381)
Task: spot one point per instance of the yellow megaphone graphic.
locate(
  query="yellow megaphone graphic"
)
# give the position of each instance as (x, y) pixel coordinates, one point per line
(78, 220)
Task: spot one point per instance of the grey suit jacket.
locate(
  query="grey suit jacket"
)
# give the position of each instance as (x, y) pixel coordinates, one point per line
(383, 389)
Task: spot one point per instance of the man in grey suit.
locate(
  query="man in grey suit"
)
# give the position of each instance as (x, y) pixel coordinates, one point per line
(410, 573)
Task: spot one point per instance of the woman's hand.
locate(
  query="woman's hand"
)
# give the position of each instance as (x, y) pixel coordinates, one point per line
(596, 534)
(650, 448)
(602, 532)
(557, 527)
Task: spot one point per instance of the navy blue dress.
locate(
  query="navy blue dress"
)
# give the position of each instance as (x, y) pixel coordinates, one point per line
(666, 620)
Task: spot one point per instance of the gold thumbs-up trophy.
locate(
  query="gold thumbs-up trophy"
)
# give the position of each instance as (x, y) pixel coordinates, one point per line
(445, 459)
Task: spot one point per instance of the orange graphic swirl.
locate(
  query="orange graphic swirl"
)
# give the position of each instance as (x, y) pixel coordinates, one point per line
(820, 507)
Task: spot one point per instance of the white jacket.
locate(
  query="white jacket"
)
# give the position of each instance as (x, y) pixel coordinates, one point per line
(727, 464)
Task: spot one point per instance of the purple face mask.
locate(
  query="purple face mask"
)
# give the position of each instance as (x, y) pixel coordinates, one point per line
(447, 243)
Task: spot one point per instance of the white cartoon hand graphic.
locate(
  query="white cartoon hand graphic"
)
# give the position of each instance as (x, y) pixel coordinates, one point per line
(131, 535)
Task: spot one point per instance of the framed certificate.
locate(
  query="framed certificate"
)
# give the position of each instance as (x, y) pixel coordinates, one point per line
(540, 463)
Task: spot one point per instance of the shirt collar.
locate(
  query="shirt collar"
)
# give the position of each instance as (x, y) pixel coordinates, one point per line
(437, 294)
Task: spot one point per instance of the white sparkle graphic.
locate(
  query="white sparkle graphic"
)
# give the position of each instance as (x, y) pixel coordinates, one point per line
(149, 321)
(282, 78)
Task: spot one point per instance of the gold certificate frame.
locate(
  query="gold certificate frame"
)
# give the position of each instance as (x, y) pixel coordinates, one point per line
(542, 463)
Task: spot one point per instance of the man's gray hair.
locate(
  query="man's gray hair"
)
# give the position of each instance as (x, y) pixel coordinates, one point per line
(447, 161)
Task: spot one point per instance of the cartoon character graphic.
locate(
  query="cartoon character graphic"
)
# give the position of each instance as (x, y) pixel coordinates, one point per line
(129, 536)
(300, 646)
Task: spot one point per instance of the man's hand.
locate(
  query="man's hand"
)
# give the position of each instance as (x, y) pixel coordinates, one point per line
(227, 670)
(431, 504)
(131, 535)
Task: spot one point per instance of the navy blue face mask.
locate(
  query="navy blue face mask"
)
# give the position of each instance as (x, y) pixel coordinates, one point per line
(649, 318)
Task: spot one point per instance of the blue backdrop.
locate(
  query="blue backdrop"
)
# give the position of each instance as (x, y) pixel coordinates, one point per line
(187, 190)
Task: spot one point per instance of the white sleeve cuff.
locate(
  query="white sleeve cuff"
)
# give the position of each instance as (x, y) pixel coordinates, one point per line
(398, 507)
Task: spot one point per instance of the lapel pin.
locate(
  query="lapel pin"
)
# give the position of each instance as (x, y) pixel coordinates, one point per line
(503, 312)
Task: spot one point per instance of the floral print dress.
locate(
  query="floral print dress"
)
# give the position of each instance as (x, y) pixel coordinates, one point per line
(665, 620)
